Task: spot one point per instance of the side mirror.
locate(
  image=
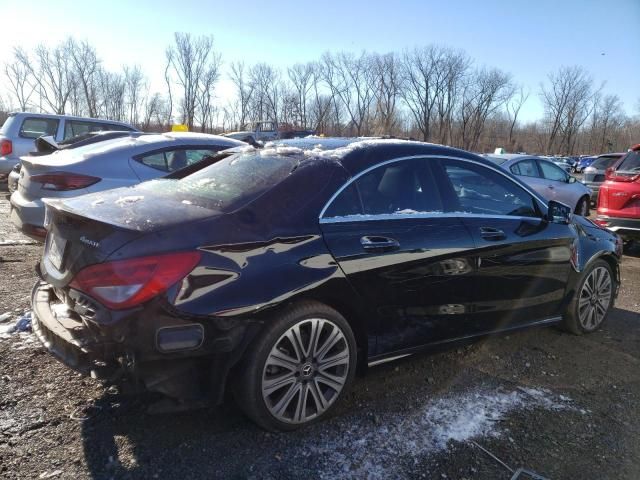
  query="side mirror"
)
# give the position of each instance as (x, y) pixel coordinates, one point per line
(558, 213)
(571, 179)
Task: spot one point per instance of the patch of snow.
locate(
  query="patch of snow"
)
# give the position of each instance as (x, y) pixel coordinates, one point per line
(272, 149)
(19, 241)
(129, 200)
(187, 202)
(360, 448)
(22, 324)
(206, 182)
(99, 201)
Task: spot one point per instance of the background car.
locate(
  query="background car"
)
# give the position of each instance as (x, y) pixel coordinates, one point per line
(101, 166)
(548, 179)
(282, 270)
(594, 174)
(619, 199)
(47, 147)
(584, 162)
(20, 129)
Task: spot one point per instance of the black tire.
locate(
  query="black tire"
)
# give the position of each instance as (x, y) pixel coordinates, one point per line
(572, 320)
(582, 208)
(253, 372)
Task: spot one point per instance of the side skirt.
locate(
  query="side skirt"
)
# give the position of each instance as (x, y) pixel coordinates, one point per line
(390, 357)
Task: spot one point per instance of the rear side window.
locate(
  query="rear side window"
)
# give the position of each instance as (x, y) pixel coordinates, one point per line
(172, 160)
(479, 190)
(525, 168)
(552, 172)
(345, 204)
(630, 163)
(603, 163)
(36, 127)
(73, 128)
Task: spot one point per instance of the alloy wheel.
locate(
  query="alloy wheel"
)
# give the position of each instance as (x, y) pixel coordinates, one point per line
(595, 297)
(305, 371)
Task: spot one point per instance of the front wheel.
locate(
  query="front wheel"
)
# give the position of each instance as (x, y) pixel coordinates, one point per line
(298, 368)
(593, 299)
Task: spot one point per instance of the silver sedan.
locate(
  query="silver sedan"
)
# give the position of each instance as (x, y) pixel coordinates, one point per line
(548, 179)
(101, 166)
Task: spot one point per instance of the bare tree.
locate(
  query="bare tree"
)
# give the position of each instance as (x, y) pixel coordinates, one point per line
(267, 88)
(244, 93)
(85, 65)
(350, 80)
(301, 77)
(513, 107)
(54, 74)
(567, 100)
(483, 94)
(387, 72)
(192, 61)
(18, 74)
(135, 85)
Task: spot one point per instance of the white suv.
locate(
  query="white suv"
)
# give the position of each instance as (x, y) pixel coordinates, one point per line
(20, 130)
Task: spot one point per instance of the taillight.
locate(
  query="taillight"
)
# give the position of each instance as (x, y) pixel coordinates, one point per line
(127, 283)
(59, 181)
(6, 147)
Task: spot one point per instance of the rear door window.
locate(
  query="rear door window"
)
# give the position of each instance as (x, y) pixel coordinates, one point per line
(33, 127)
(553, 172)
(525, 168)
(404, 187)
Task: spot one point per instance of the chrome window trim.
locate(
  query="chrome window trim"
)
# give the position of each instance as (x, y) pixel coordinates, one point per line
(425, 215)
(497, 169)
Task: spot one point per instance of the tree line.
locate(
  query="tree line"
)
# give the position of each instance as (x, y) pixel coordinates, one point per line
(432, 93)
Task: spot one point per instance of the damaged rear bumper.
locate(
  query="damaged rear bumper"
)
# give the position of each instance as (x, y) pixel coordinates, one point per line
(129, 351)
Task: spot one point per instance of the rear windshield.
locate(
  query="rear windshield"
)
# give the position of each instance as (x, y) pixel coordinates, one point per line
(228, 184)
(498, 160)
(630, 163)
(604, 162)
(7, 123)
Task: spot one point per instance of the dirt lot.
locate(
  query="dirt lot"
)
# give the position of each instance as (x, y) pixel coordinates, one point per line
(560, 405)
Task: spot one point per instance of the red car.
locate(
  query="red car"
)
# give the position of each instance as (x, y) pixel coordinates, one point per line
(619, 199)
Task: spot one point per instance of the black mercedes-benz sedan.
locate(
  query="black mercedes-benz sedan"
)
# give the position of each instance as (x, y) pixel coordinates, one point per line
(277, 272)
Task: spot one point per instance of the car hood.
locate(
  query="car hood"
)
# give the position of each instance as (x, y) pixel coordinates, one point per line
(136, 209)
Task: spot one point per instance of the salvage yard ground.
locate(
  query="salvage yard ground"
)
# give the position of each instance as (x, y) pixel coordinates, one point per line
(559, 405)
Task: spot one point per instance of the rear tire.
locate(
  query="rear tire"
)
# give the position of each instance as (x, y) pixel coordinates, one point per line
(298, 368)
(582, 208)
(592, 301)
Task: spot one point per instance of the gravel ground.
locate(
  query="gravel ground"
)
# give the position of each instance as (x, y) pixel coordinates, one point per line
(559, 405)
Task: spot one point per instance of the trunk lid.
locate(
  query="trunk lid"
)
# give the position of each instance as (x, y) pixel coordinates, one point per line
(88, 229)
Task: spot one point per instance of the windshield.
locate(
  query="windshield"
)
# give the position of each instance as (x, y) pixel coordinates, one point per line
(604, 162)
(630, 163)
(228, 184)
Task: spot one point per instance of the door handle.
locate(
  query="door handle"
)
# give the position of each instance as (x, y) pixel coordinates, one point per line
(376, 243)
(492, 234)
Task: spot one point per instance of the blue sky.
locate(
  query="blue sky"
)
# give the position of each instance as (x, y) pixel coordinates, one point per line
(529, 39)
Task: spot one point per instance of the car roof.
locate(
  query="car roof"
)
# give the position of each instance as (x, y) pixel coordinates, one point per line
(68, 117)
(611, 155)
(358, 153)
